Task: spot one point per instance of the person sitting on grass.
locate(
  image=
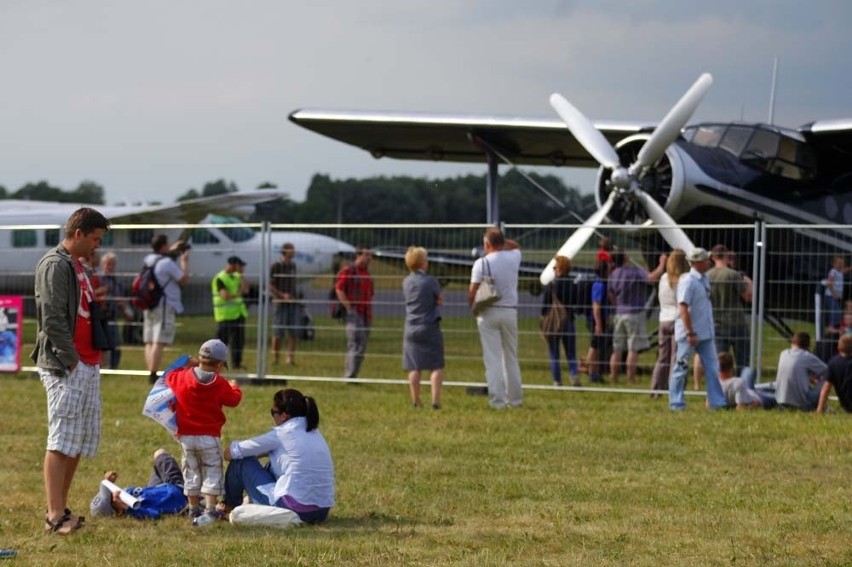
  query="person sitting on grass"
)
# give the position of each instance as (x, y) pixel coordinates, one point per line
(300, 472)
(839, 376)
(738, 392)
(162, 495)
(800, 373)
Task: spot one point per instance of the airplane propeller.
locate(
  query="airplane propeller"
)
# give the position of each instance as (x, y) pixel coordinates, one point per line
(624, 181)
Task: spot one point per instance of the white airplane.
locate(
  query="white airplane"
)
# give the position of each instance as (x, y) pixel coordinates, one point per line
(209, 224)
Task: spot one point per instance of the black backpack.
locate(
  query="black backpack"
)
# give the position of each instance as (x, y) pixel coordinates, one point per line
(146, 292)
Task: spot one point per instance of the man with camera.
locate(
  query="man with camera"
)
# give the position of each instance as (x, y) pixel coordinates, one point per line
(171, 268)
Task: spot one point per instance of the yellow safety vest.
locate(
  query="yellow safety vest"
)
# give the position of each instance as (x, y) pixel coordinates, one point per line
(227, 309)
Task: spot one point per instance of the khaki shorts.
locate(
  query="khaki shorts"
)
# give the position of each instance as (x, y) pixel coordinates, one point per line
(73, 410)
(159, 324)
(630, 333)
(202, 465)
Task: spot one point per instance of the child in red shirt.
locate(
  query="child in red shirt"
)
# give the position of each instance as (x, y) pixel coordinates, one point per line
(200, 393)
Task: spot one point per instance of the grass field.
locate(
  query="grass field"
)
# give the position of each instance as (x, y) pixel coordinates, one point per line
(571, 478)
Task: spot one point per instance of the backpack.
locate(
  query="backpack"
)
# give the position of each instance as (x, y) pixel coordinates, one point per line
(146, 291)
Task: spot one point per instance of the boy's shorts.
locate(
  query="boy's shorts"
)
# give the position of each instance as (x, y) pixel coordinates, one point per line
(201, 465)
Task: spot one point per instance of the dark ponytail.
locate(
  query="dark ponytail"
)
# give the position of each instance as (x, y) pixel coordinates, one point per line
(295, 404)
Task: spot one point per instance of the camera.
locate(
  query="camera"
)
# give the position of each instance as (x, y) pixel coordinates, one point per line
(178, 248)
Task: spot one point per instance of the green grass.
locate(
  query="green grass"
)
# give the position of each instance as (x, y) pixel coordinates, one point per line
(569, 479)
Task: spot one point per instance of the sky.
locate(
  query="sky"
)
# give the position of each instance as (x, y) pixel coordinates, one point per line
(151, 99)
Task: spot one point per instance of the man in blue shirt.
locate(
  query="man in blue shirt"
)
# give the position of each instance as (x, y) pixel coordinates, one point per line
(694, 333)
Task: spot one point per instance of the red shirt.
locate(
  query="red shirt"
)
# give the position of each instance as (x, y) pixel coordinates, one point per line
(357, 283)
(83, 328)
(198, 407)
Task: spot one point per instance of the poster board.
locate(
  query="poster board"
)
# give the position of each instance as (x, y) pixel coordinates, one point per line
(11, 325)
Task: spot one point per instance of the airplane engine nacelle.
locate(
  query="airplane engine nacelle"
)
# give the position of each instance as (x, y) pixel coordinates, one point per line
(665, 182)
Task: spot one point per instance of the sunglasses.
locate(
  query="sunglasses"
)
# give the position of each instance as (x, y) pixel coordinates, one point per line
(273, 412)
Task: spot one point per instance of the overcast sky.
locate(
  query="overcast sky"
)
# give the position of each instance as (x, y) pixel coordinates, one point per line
(153, 98)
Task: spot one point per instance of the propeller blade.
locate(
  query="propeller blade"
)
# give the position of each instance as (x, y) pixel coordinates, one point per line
(577, 240)
(585, 132)
(666, 225)
(669, 129)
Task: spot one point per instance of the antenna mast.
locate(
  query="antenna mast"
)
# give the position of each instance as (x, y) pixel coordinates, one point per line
(772, 92)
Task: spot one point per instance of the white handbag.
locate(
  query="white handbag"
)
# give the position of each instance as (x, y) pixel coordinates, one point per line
(487, 293)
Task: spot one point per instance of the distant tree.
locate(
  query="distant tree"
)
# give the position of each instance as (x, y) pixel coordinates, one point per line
(3, 193)
(41, 191)
(89, 192)
(190, 194)
(267, 185)
(218, 187)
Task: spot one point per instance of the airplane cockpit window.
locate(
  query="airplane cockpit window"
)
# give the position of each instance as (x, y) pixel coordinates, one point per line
(203, 236)
(735, 139)
(708, 135)
(235, 233)
(780, 154)
(24, 238)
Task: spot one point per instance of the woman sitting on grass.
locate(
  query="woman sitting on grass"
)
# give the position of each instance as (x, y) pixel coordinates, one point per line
(300, 473)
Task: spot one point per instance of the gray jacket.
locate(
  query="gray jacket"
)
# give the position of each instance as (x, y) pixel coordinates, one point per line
(57, 295)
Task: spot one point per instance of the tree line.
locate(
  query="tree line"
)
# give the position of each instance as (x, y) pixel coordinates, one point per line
(398, 199)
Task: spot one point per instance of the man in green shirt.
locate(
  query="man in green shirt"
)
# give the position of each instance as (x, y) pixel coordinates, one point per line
(728, 290)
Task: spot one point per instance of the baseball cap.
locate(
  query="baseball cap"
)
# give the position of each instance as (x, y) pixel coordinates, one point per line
(101, 504)
(236, 260)
(214, 349)
(697, 255)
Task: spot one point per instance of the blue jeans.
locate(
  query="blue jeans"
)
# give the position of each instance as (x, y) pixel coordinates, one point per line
(706, 350)
(568, 341)
(246, 475)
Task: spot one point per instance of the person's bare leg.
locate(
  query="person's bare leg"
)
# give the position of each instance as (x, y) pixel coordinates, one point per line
(632, 362)
(276, 349)
(697, 372)
(59, 471)
(437, 380)
(592, 363)
(615, 365)
(414, 387)
(156, 357)
(291, 350)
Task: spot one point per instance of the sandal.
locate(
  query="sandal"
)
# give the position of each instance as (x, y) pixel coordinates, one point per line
(63, 525)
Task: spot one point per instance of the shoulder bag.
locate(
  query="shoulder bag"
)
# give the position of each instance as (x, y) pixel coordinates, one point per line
(487, 293)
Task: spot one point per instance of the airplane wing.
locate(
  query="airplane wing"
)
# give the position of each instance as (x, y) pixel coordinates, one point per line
(837, 133)
(191, 211)
(450, 137)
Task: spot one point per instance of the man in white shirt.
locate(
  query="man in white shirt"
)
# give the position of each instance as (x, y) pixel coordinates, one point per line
(160, 322)
(498, 323)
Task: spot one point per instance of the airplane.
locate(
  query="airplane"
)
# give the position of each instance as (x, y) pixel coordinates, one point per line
(713, 172)
(208, 224)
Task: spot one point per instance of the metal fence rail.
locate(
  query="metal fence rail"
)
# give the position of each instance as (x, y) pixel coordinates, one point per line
(788, 265)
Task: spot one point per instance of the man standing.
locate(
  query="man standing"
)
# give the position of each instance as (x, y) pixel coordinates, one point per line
(229, 308)
(628, 286)
(160, 323)
(799, 377)
(282, 288)
(694, 333)
(498, 323)
(354, 289)
(728, 289)
(68, 364)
